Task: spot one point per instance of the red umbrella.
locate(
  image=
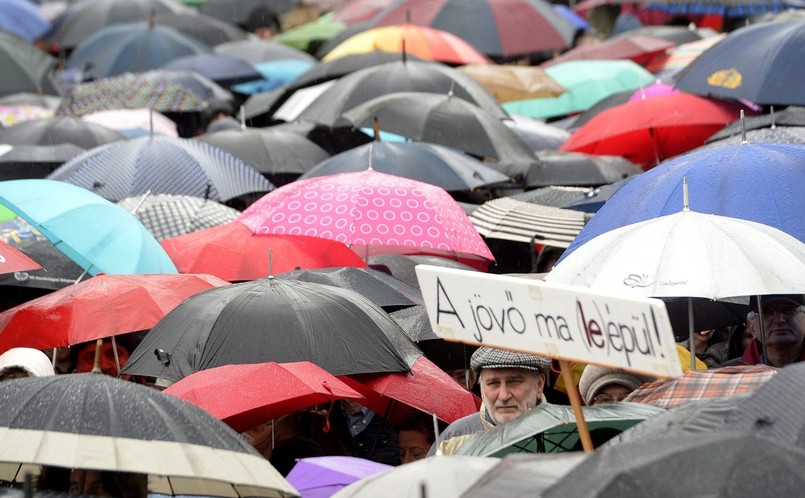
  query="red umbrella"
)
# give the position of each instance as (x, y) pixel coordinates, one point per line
(13, 260)
(245, 396)
(233, 252)
(426, 388)
(640, 49)
(648, 131)
(103, 306)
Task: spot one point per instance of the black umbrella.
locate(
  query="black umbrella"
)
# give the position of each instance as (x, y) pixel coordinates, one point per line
(429, 163)
(576, 169)
(162, 165)
(446, 120)
(403, 266)
(592, 201)
(225, 70)
(274, 320)
(446, 355)
(674, 34)
(25, 67)
(776, 135)
(256, 51)
(60, 130)
(331, 140)
(281, 156)
(97, 422)
(208, 29)
(34, 161)
(379, 287)
(609, 102)
(554, 195)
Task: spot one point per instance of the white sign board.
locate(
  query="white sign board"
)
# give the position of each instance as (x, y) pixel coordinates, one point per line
(554, 320)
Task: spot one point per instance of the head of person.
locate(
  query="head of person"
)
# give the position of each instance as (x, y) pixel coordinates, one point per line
(511, 383)
(415, 435)
(24, 362)
(601, 385)
(84, 355)
(108, 483)
(783, 320)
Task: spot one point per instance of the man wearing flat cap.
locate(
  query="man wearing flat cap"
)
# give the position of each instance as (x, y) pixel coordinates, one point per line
(511, 385)
(783, 331)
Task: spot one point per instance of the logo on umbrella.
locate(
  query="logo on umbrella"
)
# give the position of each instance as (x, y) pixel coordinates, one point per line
(727, 78)
(635, 280)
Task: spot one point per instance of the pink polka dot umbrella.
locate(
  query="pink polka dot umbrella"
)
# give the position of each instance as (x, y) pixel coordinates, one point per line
(372, 212)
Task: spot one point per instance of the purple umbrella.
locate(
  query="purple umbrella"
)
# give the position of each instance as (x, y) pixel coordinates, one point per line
(321, 477)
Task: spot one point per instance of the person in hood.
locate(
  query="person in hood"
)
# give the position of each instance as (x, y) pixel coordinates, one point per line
(24, 362)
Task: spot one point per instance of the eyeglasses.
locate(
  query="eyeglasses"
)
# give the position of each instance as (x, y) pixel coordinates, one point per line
(606, 398)
(770, 312)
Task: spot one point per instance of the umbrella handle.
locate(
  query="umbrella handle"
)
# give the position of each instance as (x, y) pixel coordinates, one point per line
(96, 366)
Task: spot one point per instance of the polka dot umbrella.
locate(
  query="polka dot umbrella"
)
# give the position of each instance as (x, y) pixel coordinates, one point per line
(372, 212)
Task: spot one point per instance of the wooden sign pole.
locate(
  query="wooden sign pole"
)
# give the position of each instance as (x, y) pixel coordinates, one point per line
(575, 402)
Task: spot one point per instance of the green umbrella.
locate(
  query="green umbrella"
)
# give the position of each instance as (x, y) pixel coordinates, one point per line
(6, 214)
(585, 83)
(320, 30)
(552, 429)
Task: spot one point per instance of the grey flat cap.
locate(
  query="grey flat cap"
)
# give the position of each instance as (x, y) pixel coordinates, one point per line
(500, 358)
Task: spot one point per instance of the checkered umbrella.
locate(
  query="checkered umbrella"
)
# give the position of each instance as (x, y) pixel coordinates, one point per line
(167, 215)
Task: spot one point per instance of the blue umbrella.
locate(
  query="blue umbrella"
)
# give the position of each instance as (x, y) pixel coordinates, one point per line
(23, 19)
(98, 235)
(756, 182)
(274, 74)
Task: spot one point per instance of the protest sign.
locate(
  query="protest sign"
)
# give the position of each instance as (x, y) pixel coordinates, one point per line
(554, 320)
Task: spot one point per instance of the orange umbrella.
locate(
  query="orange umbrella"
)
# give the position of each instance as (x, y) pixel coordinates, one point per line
(426, 43)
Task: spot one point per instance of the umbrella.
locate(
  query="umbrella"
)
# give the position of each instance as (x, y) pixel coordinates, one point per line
(723, 8)
(552, 429)
(13, 260)
(225, 70)
(273, 320)
(22, 18)
(25, 67)
(34, 161)
(585, 83)
(190, 82)
(130, 92)
(446, 477)
(776, 135)
(60, 130)
(31, 99)
(249, 14)
(423, 162)
(256, 51)
(592, 201)
(510, 82)
(100, 307)
(651, 130)
(274, 74)
(639, 49)
(570, 168)
(553, 195)
(447, 355)
(131, 47)
(232, 252)
(536, 134)
(446, 120)
(281, 156)
(93, 232)
(728, 464)
(321, 477)
(751, 63)
(81, 19)
(310, 36)
(740, 181)
(422, 41)
(237, 394)
(522, 475)
(696, 385)
(602, 105)
(330, 70)
(359, 10)
(498, 29)
(381, 288)
(168, 216)
(789, 117)
(97, 422)
(667, 65)
(510, 219)
(162, 165)
(402, 266)
(370, 211)
(208, 29)
(133, 123)
(656, 89)
(15, 114)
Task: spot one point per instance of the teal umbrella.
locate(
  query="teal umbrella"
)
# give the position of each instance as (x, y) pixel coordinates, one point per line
(97, 234)
(585, 83)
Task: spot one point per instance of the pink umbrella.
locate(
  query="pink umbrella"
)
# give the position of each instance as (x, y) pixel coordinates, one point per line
(658, 89)
(13, 260)
(372, 212)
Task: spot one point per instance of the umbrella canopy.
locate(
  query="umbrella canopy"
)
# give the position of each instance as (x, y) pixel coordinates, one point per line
(570, 168)
(537, 134)
(208, 29)
(751, 63)
(190, 82)
(402, 266)
(370, 211)
(93, 232)
(310, 36)
(274, 320)
(25, 67)
(789, 117)
(381, 288)
(639, 49)
(60, 130)
(510, 82)
(666, 65)
(648, 131)
(423, 162)
(723, 8)
(225, 70)
(740, 181)
(237, 394)
(552, 429)
(427, 43)
(776, 135)
(22, 18)
(585, 83)
(167, 216)
(31, 99)
(13, 260)
(100, 307)
(15, 114)
(321, 477)
(233, 252)
(498, 29)
(257, 51)
(34, 161)
(519, 475)
(86, 421)
(133, 123)
(281, 156)
(446, 120)
(696, 385)
(592, 201)
(447, 355)
(162, 165)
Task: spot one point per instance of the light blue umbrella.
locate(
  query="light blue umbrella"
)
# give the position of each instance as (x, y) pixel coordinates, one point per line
(95, 233)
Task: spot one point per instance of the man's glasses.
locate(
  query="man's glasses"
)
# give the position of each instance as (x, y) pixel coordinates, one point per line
(771, 311)
(606, 398)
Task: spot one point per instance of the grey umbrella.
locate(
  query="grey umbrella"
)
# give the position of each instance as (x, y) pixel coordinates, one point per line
(255, 51)
(576, 169)
(168, 216)
(60, 130)
(524, 475)
(790, 116)
(403, 266)
(26, 68)
(35, 161)
(776, 135)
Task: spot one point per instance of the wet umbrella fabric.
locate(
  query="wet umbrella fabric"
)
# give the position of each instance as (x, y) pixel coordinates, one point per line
(568, 168)
(776, 135)
(447, 355)
(34, 161)
(792, 116)
(261, 51)
(132, 123)
(402, 266)
(274, 320)
(13, 260)
(167, 216)
(237, 394)
(190, 82)
(639, 49)
(510, 82)
(524, 474)
(60, 130)
(592, 201)
(100, 307)
(162, 165)
(26, 68)
(84, 421)
(23, 19)
(225, 70)
(321, 477)
(205, 28)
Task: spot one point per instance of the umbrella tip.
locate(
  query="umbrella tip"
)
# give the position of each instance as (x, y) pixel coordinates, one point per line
(452, 86)
(773, 118)
(743, 128)
(376, 128)
(685, 198)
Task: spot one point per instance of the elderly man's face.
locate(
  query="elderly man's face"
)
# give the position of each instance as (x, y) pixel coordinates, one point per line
(784, 324)
(510, 392)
